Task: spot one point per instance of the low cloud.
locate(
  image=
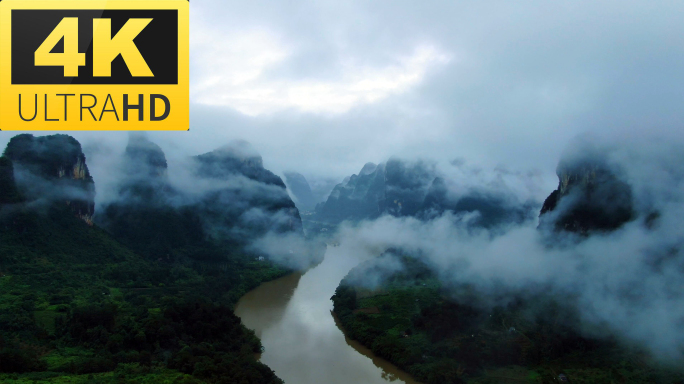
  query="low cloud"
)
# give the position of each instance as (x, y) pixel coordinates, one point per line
(289, 249)
(629, 281)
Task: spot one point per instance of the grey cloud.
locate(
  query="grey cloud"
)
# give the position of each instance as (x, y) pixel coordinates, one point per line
(376, 271)
(289, 249)
(524, 78)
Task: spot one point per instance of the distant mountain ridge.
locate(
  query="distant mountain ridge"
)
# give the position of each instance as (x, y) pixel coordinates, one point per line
(411, 188)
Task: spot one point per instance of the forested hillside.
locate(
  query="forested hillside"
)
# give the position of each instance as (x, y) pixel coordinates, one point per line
(442, 334)
(77, 305)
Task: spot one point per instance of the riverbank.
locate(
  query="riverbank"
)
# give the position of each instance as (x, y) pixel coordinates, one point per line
(412, 320)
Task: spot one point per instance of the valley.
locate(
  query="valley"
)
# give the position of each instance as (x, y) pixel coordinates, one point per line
(401, 274)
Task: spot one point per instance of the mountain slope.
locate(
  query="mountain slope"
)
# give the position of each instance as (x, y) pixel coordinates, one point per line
(78, 306)
(243, 199)
(233, 201)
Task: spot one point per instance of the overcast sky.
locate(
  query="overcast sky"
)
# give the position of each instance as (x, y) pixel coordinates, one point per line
(322, 87)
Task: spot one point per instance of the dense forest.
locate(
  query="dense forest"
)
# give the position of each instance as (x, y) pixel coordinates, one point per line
(74, 302)
(79, 305)
(429, 330)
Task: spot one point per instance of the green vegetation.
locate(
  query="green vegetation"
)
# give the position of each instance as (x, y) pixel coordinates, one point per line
(8, 188)
(413, 321)
(149, 300)
(77, 306)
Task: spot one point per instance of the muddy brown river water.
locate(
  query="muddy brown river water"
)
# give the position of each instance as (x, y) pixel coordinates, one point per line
(303, 343)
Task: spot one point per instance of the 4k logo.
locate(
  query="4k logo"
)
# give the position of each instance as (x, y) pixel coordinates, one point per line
(92, 65)
(105, 48)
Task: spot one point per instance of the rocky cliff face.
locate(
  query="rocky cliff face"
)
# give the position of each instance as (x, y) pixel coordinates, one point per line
(358, 197)
(396, 187)
(407, 185)
(53, 168)
(590, 196)
(301, 190)
(9, 194)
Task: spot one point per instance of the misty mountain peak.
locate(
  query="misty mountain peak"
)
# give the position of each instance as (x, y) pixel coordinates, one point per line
(50, 157)
(583, 163)
(236, 158)
(241, 150)
(144, 157)
(591, 195)
(368, 169)
(53, 168)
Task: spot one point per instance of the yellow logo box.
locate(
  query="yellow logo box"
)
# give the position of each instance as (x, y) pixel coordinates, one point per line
(94, 65)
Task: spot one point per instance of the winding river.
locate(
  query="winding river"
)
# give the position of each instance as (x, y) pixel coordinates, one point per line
(303, 343)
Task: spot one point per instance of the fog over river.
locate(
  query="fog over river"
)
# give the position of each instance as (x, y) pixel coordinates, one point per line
(303, 344)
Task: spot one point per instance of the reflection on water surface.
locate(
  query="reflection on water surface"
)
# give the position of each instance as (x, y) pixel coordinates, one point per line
(303, 343)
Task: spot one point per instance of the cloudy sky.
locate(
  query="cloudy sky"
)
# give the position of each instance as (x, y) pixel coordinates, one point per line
(322, 87)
